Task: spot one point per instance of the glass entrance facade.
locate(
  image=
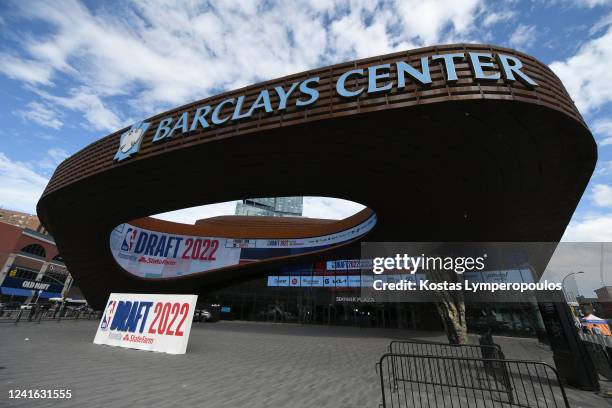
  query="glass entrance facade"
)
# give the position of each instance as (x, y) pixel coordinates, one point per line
(329, 299)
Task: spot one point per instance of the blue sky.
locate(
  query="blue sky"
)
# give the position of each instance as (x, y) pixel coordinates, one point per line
(72, 72)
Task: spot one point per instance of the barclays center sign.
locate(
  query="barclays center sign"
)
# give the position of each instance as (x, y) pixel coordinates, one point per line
(378, 81)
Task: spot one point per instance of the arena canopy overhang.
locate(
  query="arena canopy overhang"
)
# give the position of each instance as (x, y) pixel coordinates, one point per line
(449, 143)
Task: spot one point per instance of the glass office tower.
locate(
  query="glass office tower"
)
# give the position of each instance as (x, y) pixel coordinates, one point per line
(272, 206)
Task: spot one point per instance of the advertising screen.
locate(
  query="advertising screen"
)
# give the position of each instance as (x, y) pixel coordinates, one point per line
(154, 254)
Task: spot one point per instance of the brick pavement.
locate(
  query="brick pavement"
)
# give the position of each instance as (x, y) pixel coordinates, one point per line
(227, 365)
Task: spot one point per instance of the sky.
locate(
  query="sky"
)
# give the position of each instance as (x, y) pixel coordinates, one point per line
(73, 71)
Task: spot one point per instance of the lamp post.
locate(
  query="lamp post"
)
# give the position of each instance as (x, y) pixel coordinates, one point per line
(563, 282)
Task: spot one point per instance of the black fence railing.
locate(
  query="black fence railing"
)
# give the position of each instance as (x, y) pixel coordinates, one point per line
(32, 315)
(446, 381)
(423, 348)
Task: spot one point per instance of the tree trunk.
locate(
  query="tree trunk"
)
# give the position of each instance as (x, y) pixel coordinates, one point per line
(451, 308)
(453, 317)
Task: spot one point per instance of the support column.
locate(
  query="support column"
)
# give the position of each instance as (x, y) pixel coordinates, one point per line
(67, 286)
(6, 267)
(39, 277)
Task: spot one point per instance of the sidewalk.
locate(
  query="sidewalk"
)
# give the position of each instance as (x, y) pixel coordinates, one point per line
(227, 365)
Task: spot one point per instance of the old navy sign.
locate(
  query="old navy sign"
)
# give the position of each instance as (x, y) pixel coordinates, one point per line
(378, 81)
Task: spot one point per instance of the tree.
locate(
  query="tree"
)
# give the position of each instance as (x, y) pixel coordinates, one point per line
(451, 307)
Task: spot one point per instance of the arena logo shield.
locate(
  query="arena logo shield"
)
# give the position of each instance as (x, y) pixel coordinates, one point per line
(130, 141)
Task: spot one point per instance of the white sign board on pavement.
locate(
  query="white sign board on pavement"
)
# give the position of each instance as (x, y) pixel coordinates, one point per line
(147, 322)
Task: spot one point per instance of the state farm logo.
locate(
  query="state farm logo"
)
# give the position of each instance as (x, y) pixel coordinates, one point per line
(129, 143)
(138, 339)
(156, 261)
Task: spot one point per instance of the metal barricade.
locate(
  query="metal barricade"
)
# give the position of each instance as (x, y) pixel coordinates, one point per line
(40, 315)
(444, 381)
(9, 315)
(424, 348)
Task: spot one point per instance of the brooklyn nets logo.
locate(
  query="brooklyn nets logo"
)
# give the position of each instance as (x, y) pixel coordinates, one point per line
(130, 141)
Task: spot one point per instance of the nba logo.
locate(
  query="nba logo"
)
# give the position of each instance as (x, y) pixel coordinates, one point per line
(108, 316)
(130, 141)
(128, 239)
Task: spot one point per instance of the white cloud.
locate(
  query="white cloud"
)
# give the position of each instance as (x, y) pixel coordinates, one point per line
(20, 185)
(602, 130)
(603, 22)
(577, 3)
(498, 16)
(586, 74)
(52, 159)
(602, 195)
(593, 3)
(330, 208)
(44, 136)
(159, 54)
(523, 37)
(351, 37)
(23, 69)
(427, 20)
(604, 168)
(191, 215)
(314, 207)
(86, 101)
(41, 114)
(593, 228)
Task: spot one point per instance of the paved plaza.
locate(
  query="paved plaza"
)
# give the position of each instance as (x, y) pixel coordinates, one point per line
(227, 365)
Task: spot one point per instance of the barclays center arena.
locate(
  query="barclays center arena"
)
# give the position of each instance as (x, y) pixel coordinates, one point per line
(451, 143)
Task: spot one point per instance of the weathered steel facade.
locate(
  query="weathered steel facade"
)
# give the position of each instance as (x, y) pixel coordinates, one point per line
(452, 161)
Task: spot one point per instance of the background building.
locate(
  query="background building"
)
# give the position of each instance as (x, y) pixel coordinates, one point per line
(604, 296)
(272, 206)
(21, 219)
(31, 267)
(570, 289)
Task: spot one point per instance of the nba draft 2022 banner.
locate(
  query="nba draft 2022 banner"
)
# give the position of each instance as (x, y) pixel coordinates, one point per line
(147, 322)
(155, 254)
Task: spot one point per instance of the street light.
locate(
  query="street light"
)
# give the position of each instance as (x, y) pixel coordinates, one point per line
(563, 282)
